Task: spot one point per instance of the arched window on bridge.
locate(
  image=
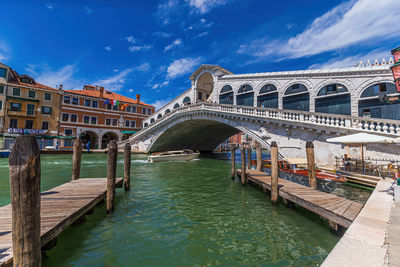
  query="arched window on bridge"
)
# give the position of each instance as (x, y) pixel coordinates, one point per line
(146, 124)
(226, 95)
(186, 101)
(159, 116)
(297, 97)
(333, 98)
(245, 96)
(167, 111)
(152, 120)
(371, 106)
(176, 106)
(268, 97)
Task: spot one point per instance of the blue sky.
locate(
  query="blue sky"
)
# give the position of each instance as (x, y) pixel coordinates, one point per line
(151, 47)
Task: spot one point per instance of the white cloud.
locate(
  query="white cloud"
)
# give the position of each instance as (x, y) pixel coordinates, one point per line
(107, 48)
(354, 60)
(159, 85)
(160, 103)
(144, 67)
(115, 82)
(204, 6)
(182, 66)
(2, 58)
(135, 48)
(202, 34)
(175, 43)
(130, 91)
(347, 24)
(88, 10)
(115, 70)
(49, 6)
(4, 51)
(130, 39)
(44, 74)
(162, 34)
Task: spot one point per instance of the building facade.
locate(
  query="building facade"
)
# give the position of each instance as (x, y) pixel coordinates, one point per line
(97, 116)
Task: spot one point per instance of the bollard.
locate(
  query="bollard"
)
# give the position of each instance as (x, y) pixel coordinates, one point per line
(249, 157)
(111, 174)
(25, 201)
(127, 167)
(233, 161)
(274, 173)
(311, 165)
(76, 159)
(243, 169)
(259, 157)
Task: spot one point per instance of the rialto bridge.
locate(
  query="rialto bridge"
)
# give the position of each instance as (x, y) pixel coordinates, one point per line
(290, 107)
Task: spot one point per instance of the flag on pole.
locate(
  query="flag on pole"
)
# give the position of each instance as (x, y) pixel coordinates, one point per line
(106, 102)
(124, 106)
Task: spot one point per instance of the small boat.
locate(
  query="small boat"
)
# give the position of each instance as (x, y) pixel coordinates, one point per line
(4, 153)
(299, 166)
(178, 155)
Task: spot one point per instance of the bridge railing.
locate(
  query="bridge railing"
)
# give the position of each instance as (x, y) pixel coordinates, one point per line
(375, 125)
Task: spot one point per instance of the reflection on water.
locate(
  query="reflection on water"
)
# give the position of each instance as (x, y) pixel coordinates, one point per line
(182, 214)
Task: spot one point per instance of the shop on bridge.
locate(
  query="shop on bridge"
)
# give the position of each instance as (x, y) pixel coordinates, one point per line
(245, 96)
(226, 95)
(296, 97)
(334, 99)
(268, 97)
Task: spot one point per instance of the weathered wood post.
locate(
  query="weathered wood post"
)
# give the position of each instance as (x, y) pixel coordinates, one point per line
(25, 201)
(127, 167)
(76, 159)
(233, 161)
(243, 167)
(249, 156)
(111, 174)
(259, 156)
(311, 165)
(274, 172)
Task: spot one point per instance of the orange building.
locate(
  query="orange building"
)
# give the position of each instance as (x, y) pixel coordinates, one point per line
(97, 116)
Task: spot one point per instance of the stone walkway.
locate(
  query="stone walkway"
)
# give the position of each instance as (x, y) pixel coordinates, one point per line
(393, 238)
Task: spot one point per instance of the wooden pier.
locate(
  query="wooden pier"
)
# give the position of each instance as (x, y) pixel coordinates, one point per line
(60, 207)
(338, 210)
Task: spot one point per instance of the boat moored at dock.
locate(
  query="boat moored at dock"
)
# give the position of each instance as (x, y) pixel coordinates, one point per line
(178, 155)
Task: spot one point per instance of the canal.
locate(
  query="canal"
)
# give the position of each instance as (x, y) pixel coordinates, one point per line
(184, 214)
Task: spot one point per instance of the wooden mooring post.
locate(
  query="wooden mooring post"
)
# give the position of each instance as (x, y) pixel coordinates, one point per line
(259, 157)
(311, 165)
(233, 161)
(127, 167)
(111, 174)
(76, 159)
(243, 167)
(25, 201)
(274, 173)
(249, 156)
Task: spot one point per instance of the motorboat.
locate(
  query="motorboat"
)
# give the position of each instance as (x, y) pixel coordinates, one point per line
(178, 155)
(299, 166)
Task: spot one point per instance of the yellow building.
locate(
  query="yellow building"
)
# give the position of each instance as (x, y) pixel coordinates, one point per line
(29, 108)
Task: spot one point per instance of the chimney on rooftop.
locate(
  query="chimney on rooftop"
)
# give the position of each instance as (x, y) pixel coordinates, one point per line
(97, 87)
(138, 99)
(101, 91)
(60, 87)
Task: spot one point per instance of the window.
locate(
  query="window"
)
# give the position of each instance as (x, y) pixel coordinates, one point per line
(114, 122)
(15, 106)
(115, 107)
(144, 111)
(1, 105)
(128, 109)
(127, 123)
(32, 94)
(16, 92)
(95, 104)
(133, 124)
(86, 119)
(74, 117)
(30, 109)
(47, 96)
(68, 131)
(65, 117)
(94, 120)
(46, 110)
(29, 124)
(108, 121)
(87, 103)
(45, 125)
(68, 143)
(3, 73)
(67, 99)
(200, 95)
(109, 106)
(133, 109)
(13, 123)
(1, 89)
(75, 101)
(148, 111)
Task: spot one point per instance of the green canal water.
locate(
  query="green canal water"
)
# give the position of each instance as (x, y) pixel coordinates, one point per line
(183, 214)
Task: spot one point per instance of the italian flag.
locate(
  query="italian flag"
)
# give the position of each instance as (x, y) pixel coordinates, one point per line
(115, 102)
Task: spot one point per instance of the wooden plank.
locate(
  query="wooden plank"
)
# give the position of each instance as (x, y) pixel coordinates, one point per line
(60, 207)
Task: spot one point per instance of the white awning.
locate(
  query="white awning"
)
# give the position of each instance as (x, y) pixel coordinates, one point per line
(361, 138)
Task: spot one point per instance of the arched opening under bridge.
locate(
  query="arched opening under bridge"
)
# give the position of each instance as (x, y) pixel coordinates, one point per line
(107, 137)
(90, 138)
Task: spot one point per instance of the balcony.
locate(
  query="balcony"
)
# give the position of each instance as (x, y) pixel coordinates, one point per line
(22, 113)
